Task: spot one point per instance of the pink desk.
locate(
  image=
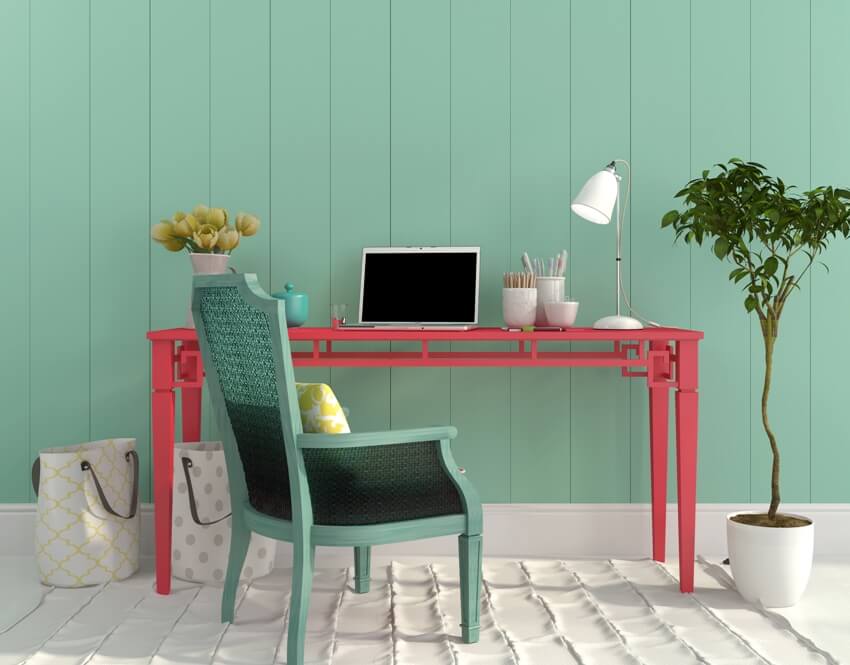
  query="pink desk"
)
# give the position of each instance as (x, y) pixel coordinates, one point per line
(666, 357)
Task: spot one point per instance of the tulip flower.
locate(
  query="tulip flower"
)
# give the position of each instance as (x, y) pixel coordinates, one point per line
(186, 227)
(204, 229)
(228, 239)
(247, 224)
(200, 213)
(165, 234)
(206, 237)
(163, 231)
(217, 217)
(174, 244)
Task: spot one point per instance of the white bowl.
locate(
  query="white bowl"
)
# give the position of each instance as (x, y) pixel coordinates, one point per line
(561, 314)
(519, 307)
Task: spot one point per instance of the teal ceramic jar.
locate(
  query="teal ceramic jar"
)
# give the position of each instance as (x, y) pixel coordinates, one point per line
(297, 305)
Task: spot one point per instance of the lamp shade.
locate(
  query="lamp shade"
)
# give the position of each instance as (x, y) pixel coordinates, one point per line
(595, 201)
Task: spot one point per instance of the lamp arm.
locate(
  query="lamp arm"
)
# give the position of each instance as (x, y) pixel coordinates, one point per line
(621, 219)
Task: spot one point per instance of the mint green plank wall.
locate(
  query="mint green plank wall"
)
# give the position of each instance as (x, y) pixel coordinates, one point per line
(780, 53)
(720, 129)
(830, 150)
(60, 225)
(120, 249)
(180, 140)
(660, 148)
(239, 132)
(420, 159)
(540, 197)
(480, 191)
(299, 221)
(360, 179)
(14, 269)
(345, 123)
(600, 131)
(179, 146)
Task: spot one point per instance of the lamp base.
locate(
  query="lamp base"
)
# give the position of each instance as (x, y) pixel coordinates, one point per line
(618, 323)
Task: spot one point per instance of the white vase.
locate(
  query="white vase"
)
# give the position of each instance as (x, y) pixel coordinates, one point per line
(205, 264)
(771, 565)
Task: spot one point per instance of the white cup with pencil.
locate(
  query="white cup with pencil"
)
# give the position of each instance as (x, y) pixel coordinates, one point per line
(549, 278)
(519, 299)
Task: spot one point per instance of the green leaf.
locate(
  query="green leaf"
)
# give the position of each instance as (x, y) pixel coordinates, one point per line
(670, 218)
(770, 265)
(721, 248)
(750, 303)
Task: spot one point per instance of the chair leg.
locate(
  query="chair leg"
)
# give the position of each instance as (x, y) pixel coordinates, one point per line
(470, 587)
(302, 582)
(240, 538)
(362, 568)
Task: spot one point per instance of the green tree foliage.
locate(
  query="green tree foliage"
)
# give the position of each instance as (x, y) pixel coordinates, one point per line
(771, 235)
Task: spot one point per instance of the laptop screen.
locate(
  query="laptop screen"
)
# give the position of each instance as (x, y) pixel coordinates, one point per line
(437, 285)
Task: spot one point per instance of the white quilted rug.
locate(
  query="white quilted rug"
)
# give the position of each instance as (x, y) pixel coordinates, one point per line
(541, 612)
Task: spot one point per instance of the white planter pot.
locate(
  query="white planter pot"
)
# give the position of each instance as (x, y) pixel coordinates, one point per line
(770, 565)
(205, 264)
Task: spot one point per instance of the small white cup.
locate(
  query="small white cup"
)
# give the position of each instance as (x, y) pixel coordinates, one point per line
(519, 307)
(549, 289)
(562, 314)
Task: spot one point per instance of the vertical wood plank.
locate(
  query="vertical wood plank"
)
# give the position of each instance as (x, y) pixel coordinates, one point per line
(480, 192)
(660, 271)
(180, 147)
(780, 53)
(14, 270)
(120, 239)
(600, 132)
(830, 145)
(299, 219)
(239, 135)
(360, 182)
(60, 232)
(420, 177)
(239, 124)
(540, 200)
(720, 129)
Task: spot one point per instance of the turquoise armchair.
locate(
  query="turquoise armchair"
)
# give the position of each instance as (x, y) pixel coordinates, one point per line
(347, 490)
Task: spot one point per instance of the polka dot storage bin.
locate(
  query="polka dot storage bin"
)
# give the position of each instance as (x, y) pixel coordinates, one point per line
(201, 519)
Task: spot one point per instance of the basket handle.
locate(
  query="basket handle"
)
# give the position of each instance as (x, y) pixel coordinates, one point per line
(36, 474)
(134, 501)
(193, 505)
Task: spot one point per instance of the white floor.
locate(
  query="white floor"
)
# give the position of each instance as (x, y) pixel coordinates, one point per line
(588, 612)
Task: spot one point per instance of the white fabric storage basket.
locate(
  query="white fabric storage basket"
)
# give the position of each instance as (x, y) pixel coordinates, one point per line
(87, 529)
(201, 518)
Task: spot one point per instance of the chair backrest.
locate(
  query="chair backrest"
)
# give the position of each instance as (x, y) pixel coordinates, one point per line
(245, 348)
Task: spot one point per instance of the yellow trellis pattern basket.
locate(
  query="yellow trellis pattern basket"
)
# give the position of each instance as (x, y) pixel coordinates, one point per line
(87, 530)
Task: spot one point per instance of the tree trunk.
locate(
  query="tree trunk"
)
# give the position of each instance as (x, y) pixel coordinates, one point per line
(769, 331)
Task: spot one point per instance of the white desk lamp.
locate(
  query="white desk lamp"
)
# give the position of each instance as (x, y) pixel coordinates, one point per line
(595, 203)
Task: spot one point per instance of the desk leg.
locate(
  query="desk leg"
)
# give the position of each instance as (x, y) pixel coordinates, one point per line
(190, 400)
(659, 411)
(687, 423)
(162, 430)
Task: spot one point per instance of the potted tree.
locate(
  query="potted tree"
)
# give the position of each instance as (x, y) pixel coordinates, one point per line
(772, 236)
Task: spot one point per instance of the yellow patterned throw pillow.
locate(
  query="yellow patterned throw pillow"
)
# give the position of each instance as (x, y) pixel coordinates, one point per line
(320, 410)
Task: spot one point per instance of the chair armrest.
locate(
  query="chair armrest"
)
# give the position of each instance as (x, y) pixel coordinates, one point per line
(360, 439)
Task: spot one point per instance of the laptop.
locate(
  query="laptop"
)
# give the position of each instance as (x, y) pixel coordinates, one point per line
(419, 288)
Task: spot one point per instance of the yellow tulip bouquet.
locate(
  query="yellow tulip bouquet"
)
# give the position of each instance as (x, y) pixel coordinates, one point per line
(204, 231)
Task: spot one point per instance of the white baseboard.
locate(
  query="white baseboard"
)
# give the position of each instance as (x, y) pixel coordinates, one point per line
(533, 531)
